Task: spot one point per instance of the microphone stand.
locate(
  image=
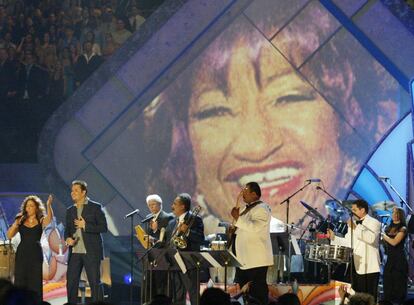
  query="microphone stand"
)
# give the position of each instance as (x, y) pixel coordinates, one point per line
(402, 201)
(131, 244)
(351, 215)
(287, 201)
(146, 292)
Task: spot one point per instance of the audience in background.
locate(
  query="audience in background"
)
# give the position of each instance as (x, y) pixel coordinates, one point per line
(214, 296)
(47, 50)
(288, 299)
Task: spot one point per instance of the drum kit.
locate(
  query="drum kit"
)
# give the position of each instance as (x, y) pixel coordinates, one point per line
(319, 250)
(317, 247)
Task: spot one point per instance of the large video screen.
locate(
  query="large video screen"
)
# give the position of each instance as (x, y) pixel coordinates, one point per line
(268, 100)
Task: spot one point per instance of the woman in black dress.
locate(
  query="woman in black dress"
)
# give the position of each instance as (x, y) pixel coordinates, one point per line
(396, 268)
(30, 223)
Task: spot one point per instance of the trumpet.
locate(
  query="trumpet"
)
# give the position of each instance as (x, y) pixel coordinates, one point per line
(179, 238)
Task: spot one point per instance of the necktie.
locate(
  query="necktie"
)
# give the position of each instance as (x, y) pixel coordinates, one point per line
(358, 222)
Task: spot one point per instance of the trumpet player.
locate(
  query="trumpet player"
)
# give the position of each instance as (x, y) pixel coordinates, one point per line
(191, 227)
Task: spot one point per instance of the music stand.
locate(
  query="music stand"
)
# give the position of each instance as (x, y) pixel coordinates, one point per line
(280, 242)
(221, 258)
(159, 259)
(195, 260)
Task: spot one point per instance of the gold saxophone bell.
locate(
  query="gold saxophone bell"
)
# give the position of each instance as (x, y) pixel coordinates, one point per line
(179, 239)
(180, 242)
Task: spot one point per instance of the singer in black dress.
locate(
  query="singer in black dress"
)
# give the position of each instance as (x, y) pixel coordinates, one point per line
(396, 268)
(30, 222)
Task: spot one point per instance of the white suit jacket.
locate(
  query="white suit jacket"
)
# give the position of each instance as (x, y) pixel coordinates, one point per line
(253, 245)
(366, 243)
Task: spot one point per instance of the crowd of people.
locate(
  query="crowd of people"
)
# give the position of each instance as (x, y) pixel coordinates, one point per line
(48, 48)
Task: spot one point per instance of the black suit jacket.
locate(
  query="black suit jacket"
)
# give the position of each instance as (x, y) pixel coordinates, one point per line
(34, 81)
(196, 235)
(163, 219)
(84, 68)
(95, 225)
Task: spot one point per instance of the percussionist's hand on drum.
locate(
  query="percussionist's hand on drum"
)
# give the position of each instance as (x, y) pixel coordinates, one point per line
(331, 234)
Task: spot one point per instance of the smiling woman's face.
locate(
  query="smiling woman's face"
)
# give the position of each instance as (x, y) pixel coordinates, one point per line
(258, 120)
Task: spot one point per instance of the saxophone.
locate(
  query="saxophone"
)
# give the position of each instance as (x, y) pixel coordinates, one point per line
(179, 239)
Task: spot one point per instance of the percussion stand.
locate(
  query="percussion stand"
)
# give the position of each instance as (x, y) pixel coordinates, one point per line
(319, 188)
(287, 201)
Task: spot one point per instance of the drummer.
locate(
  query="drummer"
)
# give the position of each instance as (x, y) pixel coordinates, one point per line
(363, 236)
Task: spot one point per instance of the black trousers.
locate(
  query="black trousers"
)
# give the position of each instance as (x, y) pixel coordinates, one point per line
(92, 266)
(183, 283)
(258, 288)
(367, 283)
(159, 283)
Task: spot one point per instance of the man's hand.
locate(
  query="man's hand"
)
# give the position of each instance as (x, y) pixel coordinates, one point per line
(235, 213)
(154, 226)
(342, 292)
(246, 288)
(331, 234)
(80, 223)
(239, 197)
(151, 239)
(350, 223)
(70, 241)
(183, 227)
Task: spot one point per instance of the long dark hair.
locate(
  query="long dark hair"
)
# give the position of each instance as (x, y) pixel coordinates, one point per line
(394, 228)
(40, 209)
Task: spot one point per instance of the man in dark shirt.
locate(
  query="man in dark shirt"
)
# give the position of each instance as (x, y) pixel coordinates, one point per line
(85, 221)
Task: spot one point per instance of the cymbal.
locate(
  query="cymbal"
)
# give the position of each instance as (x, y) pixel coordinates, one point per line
(312, 211)
(385, 205)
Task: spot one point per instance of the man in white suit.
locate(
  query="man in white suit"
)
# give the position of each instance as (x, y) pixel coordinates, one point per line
(252, 244)
(365, 234)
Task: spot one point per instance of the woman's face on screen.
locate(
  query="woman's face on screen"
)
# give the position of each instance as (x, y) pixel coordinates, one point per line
(256, 119)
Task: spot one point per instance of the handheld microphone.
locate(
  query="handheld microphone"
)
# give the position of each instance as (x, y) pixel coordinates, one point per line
(162, 234)
(131, 214)
(313, 180)
(148, 219)
(383, 178)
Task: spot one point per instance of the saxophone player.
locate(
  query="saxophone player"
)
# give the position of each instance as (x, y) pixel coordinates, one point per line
(194, 234)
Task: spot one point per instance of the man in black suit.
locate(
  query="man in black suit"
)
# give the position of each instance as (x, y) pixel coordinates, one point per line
(32, 80)
(87, 63)
(159, 218)
(85, 221)
(185, 282)
(157, 223)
